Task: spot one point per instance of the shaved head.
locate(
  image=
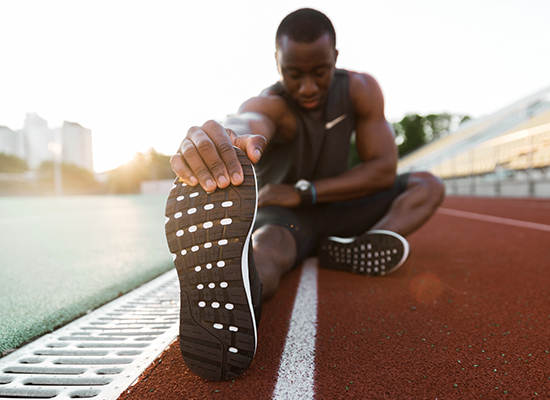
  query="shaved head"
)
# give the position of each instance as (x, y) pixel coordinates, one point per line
(305, 25)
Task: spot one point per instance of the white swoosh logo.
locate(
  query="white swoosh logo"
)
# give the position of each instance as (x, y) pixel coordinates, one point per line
(334, 122)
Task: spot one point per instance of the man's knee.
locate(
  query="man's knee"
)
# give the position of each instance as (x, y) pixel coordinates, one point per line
(432, 187)
(275, 243)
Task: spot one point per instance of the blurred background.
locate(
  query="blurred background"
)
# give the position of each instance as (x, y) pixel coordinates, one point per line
(96, 95)
(109, 88)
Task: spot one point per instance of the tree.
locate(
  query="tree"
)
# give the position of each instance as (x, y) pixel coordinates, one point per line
(149, 166)
(13, 164)
(410, 133)
(414, 130)
(75, 179)
(158, 165)
(127, 178)
(353, 158)
(437, 125)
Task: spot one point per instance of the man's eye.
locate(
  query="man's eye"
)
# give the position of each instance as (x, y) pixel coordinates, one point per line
(320, 73)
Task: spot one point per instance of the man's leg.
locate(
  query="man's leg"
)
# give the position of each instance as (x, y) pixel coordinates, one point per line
(275, 248)
(283, 238)
(365, 237)
(414, 207)
(275, 252)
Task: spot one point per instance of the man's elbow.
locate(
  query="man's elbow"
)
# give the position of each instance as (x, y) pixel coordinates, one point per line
(387, 174)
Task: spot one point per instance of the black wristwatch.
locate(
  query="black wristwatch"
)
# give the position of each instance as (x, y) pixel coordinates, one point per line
(306, 190)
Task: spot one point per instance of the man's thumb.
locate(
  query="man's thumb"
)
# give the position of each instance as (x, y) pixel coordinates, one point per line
(255, 146)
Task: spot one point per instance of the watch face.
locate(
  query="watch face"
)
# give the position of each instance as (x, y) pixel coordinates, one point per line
(303, 184)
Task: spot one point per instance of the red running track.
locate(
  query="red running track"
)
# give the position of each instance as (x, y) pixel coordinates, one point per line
(467, 317)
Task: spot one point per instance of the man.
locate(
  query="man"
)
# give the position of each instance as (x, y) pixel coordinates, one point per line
(297, 133)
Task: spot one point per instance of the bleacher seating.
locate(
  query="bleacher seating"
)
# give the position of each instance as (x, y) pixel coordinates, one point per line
(515, 138)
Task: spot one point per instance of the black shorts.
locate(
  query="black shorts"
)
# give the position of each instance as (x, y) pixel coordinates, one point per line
(309, 224)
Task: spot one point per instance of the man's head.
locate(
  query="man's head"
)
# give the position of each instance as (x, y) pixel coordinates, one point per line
(306, 56)
(305, 26)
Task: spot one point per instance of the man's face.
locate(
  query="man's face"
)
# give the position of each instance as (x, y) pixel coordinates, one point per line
(307, 70)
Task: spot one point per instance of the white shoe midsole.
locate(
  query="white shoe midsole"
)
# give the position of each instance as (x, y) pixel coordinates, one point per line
(342, 240)
(245, 271)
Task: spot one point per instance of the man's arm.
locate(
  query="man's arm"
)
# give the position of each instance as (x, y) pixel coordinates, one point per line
(206, 156)
(376, 147)
(375, 144)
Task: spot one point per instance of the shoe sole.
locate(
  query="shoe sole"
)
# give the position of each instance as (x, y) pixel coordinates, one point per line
(209, 237)
(375, 253)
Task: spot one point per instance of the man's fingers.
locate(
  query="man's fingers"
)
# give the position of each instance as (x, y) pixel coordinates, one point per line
(209, 158)
(231, 160)
(252, 145)
(182, 170)
(216, 148)
(255, 146)
(197, 165)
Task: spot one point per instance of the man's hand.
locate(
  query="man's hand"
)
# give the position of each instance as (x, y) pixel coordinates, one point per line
(278, 195)
(207, 157)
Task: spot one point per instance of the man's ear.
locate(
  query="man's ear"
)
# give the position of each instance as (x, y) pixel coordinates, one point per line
(277, 62)
(335, 56)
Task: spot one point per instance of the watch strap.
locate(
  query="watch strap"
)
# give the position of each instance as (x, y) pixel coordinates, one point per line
(308, 195)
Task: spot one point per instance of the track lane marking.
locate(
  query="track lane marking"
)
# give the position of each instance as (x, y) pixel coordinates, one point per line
(297, 367)
(496, 220)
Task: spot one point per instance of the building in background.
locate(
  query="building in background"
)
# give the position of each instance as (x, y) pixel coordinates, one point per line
(77, 145)
(37, 136)
(36, 143)
(11, 142)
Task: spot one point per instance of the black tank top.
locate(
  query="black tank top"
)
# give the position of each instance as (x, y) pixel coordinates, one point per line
(320, 148)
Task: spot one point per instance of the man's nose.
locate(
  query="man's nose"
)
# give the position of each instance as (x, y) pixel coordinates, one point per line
(308, 87)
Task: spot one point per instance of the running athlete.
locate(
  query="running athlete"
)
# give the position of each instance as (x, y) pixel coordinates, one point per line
(290, 145)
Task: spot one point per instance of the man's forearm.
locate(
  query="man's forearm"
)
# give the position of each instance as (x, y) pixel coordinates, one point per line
(251, 123)
(238, 125)
(369, 178)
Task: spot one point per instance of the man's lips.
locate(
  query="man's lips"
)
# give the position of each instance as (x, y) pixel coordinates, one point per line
(309, 103)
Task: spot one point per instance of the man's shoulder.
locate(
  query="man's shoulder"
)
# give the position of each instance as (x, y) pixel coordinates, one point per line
(270, 104)
(274, 90)
(362, 81)
(269, 101)
(365, 92)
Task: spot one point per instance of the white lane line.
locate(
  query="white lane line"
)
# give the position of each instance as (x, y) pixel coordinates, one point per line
(297, 368)
(496, 220)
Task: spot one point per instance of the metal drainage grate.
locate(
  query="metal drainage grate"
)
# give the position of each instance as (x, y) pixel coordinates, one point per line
(99, 355)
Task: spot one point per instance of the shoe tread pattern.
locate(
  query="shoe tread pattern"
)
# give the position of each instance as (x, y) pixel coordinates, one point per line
(370, 254)
(206, 349)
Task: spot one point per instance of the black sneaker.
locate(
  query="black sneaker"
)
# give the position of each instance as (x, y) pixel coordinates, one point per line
(372, 253)
(209, 236)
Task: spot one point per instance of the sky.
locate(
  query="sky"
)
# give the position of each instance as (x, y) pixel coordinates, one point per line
(140, 73)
